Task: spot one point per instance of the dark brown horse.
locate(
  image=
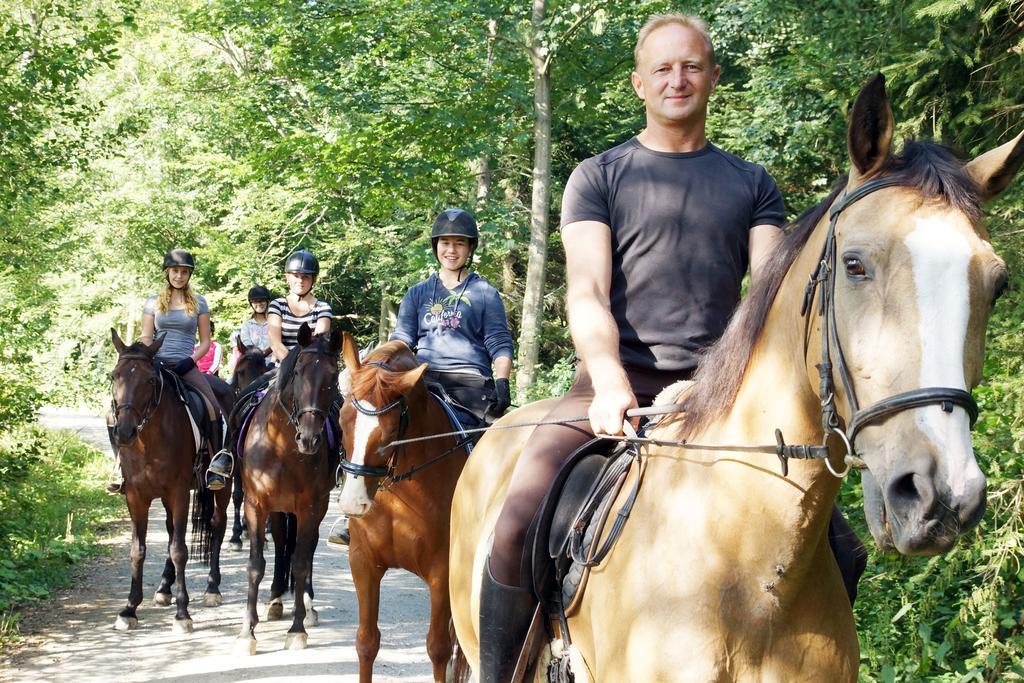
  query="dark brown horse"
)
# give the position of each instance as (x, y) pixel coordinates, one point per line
(288, 466)
(399, 499)
(153, 437)
(251, 365)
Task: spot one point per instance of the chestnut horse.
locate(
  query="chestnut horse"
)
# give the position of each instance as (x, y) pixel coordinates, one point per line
(153, 438)
(399, 500)
(724, 571)
(287, 466)
(251, 365)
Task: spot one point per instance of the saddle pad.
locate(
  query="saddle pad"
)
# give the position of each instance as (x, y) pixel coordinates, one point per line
(195, 405)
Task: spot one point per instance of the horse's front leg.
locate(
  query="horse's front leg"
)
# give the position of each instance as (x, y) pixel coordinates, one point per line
(366, 576)
(237, 496)
(138, 509)
(179, 556)
(221, 501)
(257, 519)
(283, 543)
(162, 597)
(439, 638)
(307, 535)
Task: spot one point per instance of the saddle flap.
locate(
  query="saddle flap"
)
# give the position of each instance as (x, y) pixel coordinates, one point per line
(536, 560)
(579, 486)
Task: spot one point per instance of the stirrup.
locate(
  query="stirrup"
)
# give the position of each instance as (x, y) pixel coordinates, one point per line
(216, 469)
(341, 537)
(215, 482)
(115, 482)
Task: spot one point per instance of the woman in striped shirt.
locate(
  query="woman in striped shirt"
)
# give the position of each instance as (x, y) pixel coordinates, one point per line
(286, 314)
(284, 318)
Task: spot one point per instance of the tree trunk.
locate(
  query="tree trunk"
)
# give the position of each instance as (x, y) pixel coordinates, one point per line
(388, 319)
(533, 298)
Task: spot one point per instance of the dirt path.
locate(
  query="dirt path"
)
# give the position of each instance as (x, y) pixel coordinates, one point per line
(71, 637)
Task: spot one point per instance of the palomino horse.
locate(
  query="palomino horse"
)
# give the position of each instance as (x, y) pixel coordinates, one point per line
(251, 365)
(724, 570)
(288, 466)
(150, 423)
(399, 501)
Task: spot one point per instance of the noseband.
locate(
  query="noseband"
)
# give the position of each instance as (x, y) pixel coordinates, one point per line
(825, 276)
(387, 471)
(157, 389)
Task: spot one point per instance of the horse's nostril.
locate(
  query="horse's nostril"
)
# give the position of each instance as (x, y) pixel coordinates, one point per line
(905, 489)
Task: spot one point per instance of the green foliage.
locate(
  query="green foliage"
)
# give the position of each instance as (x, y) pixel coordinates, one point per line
(52, 505)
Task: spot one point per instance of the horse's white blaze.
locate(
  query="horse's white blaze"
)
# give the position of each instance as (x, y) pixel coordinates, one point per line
(940, 256)
(354, 496)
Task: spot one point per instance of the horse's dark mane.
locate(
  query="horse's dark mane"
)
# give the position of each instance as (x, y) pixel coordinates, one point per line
(375, 384)
(931, 169)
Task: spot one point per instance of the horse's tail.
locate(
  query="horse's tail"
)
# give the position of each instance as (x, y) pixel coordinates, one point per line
(202, 524)
(461, 673)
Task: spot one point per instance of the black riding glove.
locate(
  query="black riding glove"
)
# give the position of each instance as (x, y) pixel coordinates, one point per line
(184, 366)
(502, 397)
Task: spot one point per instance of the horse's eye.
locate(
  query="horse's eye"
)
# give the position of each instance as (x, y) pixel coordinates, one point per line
(854, 267)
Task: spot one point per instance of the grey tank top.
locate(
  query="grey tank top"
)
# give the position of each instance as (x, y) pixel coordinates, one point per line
(177, 327)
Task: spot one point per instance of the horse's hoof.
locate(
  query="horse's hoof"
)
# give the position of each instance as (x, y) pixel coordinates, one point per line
(125, 623)
(312, 618)
(235, 545)
(275, 610)
(296, 641)
(212, 599)
(162, 599)
(183, 626)
(245, 647)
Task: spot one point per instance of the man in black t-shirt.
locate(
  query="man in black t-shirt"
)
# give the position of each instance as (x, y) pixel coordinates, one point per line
(658, 234)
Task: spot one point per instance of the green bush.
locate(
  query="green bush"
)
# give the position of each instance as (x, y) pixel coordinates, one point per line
(52, 504)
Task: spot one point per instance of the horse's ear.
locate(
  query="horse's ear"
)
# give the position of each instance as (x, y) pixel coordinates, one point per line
(349, 352)
(305, 335)
(239, 345)
(994, 169)
(410, 378)
(869, 136)
(335, 342)
(116, 338)
(155, 346)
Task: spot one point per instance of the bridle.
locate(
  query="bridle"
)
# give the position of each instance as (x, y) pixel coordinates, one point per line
(294, 414)
(823, 280)
(145, 414)
(386, 471)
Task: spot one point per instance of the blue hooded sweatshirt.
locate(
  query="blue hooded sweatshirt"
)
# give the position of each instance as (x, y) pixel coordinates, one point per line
(458, 330)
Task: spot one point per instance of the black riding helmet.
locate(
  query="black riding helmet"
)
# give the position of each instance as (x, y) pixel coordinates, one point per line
(454, 223)
(259, 293)
(302, 262)
(179, 258)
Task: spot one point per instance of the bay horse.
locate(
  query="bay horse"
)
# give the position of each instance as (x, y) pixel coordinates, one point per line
(398, 501)
(153, 438)
(287, 466)
(724, 570)
(251, 365)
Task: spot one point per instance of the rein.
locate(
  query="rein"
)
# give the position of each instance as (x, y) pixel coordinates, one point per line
(822, 281)
(388, 472)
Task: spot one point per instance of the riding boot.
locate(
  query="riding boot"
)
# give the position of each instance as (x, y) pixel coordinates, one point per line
(506, 613)
(116, 484)
(222, 463)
